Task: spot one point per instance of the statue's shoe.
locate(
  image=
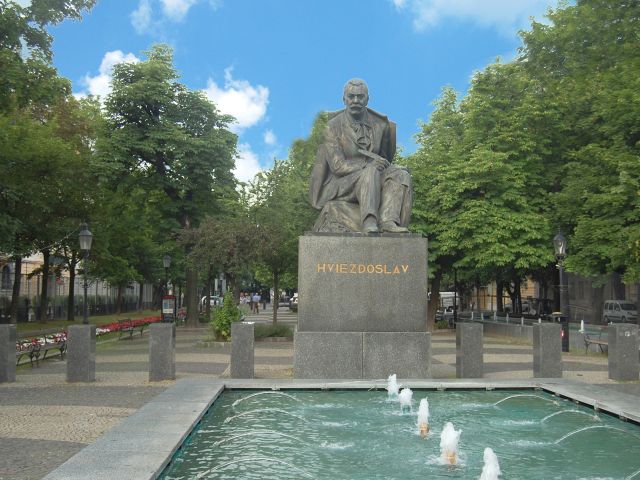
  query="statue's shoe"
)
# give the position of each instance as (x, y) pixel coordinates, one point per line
(370, 226)
(392, 227)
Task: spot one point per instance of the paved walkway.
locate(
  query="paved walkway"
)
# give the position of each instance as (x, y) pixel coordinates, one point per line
(44, 420)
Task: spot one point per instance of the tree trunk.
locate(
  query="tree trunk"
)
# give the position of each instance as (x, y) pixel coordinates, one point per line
(597, 300)
(499, 292)
(518, 293)
(44, 293)
(207, 306)
(71, 297)
(275, 300)
(192, 296)
(119, 300)
(432, 306)
(141, 295)
(617, 287)
(15, 295)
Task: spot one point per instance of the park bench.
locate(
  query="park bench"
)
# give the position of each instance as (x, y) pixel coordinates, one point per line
(128, 326)
(590, 339)
(34, 350)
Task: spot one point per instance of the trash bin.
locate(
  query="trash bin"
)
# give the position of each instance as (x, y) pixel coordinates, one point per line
(564, 329)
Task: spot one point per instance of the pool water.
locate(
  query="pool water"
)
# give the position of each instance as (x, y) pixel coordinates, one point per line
(362, 435)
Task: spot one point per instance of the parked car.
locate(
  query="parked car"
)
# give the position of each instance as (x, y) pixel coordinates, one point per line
(293, 302)
(214, 301)
(527, 308)
(619, 311)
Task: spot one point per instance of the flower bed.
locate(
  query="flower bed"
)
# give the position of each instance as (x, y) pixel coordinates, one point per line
(26, 344)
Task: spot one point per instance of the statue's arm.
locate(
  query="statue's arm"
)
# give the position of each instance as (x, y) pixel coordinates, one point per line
(339, 163)
(385, 144)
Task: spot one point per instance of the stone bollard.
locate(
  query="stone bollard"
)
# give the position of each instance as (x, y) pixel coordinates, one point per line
(8, 338)
(162, 352)
(623, 351)
(81, 353)
(547, 350)
(469, 350)
(242, 338)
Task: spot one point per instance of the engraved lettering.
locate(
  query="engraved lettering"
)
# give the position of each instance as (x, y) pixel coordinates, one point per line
(321, 267)
(343, 268)
(379, 268)
(370, 268)
(331, 265)
(353, 268)
(396, 270)
(362, 268)
(405, 268)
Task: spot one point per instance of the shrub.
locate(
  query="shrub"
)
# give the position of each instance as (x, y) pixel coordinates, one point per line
(264, 331)
(224, 316)
(441, 324)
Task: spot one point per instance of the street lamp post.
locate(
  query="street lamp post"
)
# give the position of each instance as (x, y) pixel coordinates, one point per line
(166, 261)
(85, 237)
(560, 247)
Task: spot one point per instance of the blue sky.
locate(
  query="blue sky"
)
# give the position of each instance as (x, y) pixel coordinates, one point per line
(274, 64)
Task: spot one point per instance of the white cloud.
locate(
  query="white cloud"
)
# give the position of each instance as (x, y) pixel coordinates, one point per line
(270, 138)
(247, 165)
(399, 4)
(101, 84)
(176, 10)
(147, 19)
(248, 104)
(141, 17)
(501, 14)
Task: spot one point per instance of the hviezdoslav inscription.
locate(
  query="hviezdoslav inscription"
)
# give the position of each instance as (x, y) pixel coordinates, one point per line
(362, 268)
(354, 182)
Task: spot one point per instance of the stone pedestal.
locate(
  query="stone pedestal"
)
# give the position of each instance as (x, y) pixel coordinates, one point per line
(242, 338)
(8, 338)
(362, 305)
(469, 350)
(362, 283)
(547, 350)
(623, 351)
(81, 353)
(162, 352)
(327, 354)
(407, 354)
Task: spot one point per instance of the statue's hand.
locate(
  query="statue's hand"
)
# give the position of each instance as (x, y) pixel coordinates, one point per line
(376, 160)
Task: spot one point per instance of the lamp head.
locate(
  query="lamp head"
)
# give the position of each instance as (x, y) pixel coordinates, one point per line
(85, 237)
(560, 246)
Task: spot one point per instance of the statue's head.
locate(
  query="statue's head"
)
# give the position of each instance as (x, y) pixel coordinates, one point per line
(356, 96)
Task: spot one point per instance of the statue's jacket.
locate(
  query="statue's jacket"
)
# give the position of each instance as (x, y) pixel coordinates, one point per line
(338, 162)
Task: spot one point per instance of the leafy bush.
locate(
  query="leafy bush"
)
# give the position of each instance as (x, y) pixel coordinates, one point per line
(224, 316)
(441, 324)
(264, 331)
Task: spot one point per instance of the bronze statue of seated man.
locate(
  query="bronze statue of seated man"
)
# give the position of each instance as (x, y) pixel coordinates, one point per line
(353, 182)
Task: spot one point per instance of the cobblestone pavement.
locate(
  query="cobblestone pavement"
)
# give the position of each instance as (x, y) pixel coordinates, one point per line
(44, 420)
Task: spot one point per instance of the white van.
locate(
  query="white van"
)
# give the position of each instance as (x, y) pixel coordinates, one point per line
(619, 311)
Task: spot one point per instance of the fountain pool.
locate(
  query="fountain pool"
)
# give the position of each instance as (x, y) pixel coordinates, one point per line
(364, 435)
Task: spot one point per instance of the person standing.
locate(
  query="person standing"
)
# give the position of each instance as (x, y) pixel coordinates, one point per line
(256, 302)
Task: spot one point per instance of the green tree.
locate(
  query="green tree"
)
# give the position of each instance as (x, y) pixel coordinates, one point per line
(167, 140)
(30, 91)
(588, 59)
